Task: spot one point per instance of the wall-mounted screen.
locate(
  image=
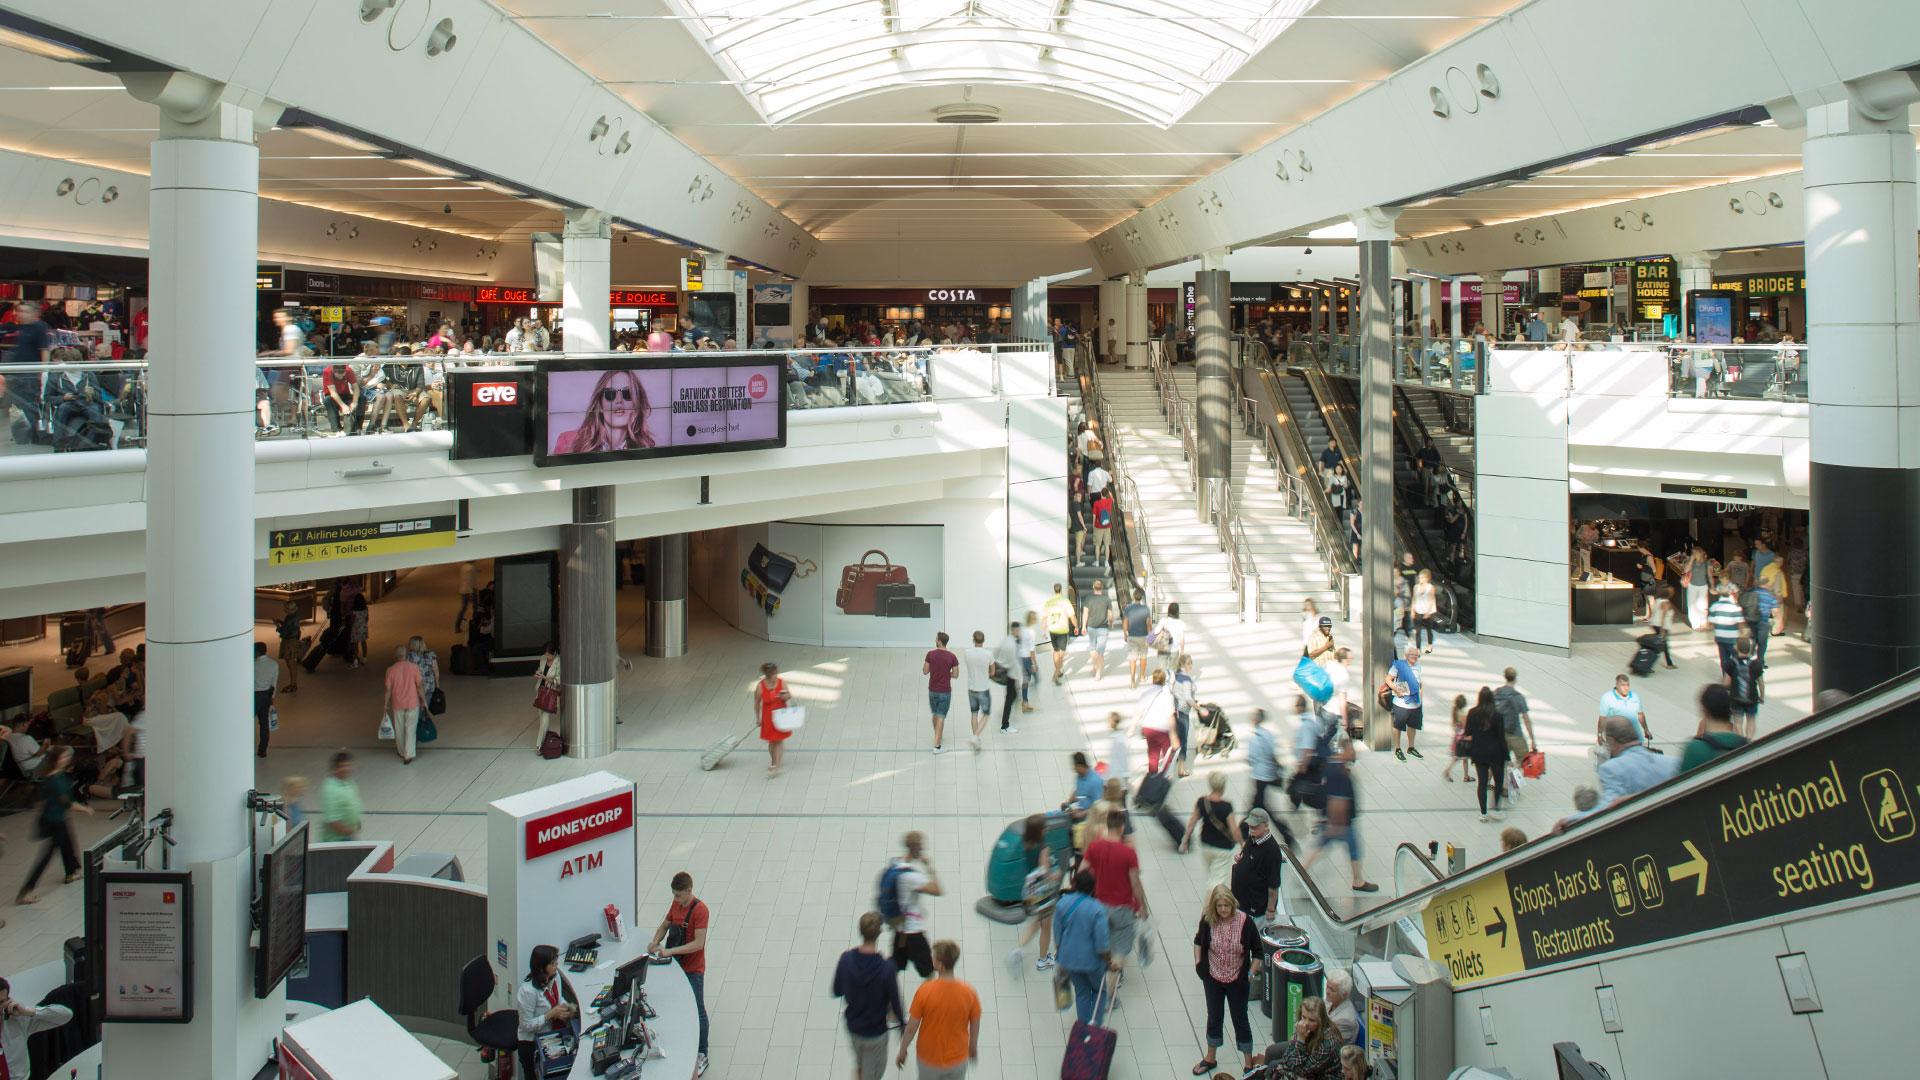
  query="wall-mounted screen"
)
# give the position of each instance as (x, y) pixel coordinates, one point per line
(282, 911)
(1712, 317)
(609, 410)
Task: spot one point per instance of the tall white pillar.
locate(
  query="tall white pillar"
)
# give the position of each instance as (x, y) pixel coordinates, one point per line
(1863, 321)
(1548, 298)
(1457, 313)
(1493, 284)
(1696, 275)
(1139, 330)
(1109, 332)
(587, 251)
(203, 243)
(797, 311)
(1429, 304)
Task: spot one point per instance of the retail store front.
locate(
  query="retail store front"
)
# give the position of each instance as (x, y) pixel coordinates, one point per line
(952, 312)
(1624, 547)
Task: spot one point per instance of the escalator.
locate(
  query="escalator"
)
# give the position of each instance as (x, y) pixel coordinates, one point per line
(1690, 929)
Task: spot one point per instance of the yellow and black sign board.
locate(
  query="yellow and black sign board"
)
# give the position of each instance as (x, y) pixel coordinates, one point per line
(318, 543)
(1830, 821)
(1705, 491)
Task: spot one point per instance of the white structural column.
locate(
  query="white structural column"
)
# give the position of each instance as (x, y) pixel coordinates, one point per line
(1108, 334)
(1429, 306)
(587, 563)
(201, 545)
(797, 311)
(1456, 316)
(587, 251)
(1137, 327)
(1493, 284)
(1696, 275)
(1863, 320)
(1547, 298)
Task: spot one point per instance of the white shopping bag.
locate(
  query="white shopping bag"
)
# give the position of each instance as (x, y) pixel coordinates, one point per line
(791, 718)
(386, 726)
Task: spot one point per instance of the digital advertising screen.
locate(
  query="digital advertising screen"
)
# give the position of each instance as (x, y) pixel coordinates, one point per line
(608, 410)
(1712, 317)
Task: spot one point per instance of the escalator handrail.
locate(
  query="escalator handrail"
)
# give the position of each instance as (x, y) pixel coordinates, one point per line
(1295, 464)
(1322, 387)
(1833, 721)
(1409, 424)
(1130, 521)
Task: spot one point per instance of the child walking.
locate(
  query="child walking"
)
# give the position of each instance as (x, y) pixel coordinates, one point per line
(1459, 741)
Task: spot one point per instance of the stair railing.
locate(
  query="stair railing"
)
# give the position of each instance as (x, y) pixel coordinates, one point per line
(1215, 508)
(1133, 544)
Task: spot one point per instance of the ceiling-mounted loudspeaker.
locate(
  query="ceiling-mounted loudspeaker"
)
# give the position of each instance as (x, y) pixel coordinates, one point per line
(623, 144)
(64, 188)
(1438, 96)
(442, 39)
(110, 194)
(599, 130)
(353, 233)
(1306, 166)
(373, 9)
(966, 113)
(1774, 200)
(1489, 83)
(1736, 206)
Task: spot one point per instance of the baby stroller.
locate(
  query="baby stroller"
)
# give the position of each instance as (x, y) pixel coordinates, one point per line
(1212, 734)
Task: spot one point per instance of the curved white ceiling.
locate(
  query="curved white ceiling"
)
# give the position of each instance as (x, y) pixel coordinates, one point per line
(1151, 59)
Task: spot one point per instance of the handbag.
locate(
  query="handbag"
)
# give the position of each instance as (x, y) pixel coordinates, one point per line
(1533, 765)
(547, 698)
(386, 726)
(790, 718)
(1313, 680)
(773, 569)
(425, 732)
(858, 582)
(437, 702)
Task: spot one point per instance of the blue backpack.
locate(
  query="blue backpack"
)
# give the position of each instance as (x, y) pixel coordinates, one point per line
(888, 900)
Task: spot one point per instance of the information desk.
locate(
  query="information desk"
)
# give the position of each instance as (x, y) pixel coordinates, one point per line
(676, 1030)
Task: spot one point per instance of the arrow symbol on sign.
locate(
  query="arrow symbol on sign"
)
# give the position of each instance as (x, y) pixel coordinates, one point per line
(1695, 867)
(1499, 927)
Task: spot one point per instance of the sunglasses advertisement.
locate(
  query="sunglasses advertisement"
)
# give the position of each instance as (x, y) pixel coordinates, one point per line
(600, 410)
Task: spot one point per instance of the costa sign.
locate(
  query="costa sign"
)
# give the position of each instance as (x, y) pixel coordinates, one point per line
(963, 296)
(496, 393)
(578, 825)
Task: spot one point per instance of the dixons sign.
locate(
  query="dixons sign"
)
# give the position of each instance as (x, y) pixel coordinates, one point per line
(578, 825)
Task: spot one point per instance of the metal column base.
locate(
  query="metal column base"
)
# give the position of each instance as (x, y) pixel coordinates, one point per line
(589, 718)
(666, 628)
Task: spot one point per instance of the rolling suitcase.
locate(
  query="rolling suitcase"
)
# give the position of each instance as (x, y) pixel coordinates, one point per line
(460, 660)
(318, 651)
(1154, 790)
(1089, 1053)
(1642, 663)
(1176, 829)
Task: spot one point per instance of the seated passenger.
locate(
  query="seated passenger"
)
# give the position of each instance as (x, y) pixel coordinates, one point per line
(1021, 849)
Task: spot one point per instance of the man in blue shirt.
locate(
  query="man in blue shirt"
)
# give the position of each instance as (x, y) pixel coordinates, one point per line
(1081, 949)
(1622, 702)
(32, 343)
(1630, 768)
(1404, 676)
(1087, 786)
(1536, 328)
(871, 986)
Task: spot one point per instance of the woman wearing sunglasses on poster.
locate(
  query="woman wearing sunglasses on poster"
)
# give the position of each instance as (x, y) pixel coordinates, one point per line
(616, 417)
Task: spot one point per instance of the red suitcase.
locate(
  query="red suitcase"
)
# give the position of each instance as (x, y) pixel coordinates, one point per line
(858, 581)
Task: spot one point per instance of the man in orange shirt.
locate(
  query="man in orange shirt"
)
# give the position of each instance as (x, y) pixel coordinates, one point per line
(946, 1016)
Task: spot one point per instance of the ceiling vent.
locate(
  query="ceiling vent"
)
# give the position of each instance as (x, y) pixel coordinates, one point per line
(966, 113)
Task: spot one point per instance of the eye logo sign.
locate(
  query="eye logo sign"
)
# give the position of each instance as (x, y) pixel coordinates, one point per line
(496, 393)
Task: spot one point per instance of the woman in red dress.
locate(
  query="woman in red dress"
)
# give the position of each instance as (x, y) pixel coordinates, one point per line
(770, 693)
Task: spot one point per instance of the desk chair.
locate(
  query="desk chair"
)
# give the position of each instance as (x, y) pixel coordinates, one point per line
(496, 1033)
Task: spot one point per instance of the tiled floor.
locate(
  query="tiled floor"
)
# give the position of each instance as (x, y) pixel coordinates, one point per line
(788, 864)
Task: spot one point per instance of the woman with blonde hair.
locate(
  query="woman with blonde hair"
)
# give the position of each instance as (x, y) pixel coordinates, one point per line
(1426, 604)
(616, 417)
(1226, 951)
(1314, 1051)
(1219, 829)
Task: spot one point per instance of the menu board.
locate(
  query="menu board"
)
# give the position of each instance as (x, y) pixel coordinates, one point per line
(147, 946)
(600, 410)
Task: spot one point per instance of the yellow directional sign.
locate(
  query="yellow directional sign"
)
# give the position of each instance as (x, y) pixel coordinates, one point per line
(319, 543)
(1472, 930)
(332, 314)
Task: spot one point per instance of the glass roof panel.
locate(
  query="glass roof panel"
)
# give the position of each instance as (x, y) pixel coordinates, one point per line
(1149, 58)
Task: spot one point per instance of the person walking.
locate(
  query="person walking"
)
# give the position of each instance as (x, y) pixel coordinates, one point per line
(57, 796)
(266, 674)
(770, 695)
(1029, 667)
(945, 1018)
(428, 662)
(1622, 702)
(1136, 622)
(287, 629)
(1185, 696)
(544, 1004)
(1718, 734)
(1006, 672)
(1226, 952)
(1487, 749)
(469, 591)
(1156, 720)
(1744, 689)
(1263, 760)
(871, 988)
(546, 688)
(1096, 615)
(340, 801)
(1082, 936)
(906, 879)
(1171, 635)
(403, 702)
(1724, 615)
(1426, 605)
(939, 667)
(682, 934)
(1255, 880)
(1698, 575)
(1511, 704)
(1219, 828)
(1343, 810)
(1058, 613)
(357, 618)
(1404, 679)
(979, 664)
(1116, 884)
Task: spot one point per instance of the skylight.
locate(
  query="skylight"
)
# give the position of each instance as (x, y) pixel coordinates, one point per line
(1151, 59)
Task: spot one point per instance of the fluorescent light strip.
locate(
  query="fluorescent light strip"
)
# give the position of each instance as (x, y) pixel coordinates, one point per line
(995, 176)
(990, 154)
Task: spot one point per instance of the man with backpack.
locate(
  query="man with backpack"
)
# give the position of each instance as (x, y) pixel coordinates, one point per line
(1743, 672)
(1756, 608)
(1103, 528)
(1717, 735)
(1057, 613)
(902, 884)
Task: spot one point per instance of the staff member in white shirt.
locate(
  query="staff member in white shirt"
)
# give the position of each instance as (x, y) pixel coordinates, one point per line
(539, 1002)
(19, 1020)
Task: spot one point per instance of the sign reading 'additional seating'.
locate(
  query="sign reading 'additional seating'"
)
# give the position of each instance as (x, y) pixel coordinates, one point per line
(1829, 821)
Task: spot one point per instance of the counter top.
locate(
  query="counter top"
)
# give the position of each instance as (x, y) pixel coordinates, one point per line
(676, 1029)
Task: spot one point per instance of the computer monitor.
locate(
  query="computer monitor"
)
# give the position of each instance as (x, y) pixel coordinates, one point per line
(629, 1016)
(629, 976)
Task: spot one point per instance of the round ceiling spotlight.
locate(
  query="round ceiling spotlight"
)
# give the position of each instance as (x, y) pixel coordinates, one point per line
(966, 112)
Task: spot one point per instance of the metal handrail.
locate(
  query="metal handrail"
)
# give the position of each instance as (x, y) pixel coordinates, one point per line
(1242, 571)
(1135, 536)
(1287, 451)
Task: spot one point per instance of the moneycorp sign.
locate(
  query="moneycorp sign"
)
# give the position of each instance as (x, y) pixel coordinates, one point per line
(1828, 821)
(578, 825)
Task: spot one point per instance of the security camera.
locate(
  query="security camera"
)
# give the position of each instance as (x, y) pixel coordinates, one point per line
(446, 208)
(1309, 251)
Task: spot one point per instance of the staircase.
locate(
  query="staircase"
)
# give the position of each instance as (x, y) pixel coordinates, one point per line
(1187, 559)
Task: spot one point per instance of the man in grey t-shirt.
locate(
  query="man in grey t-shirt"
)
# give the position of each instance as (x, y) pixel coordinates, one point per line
(1096, 611)
(1137, 622)
(1511, 704)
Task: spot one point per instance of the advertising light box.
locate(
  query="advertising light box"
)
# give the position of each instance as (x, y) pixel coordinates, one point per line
(609, 410)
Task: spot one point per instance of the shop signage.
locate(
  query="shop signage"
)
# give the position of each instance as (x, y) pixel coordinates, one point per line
(269, 279)
(1597, 279)
(321, 283)
(646, 298)
(495, 394)
(1653, 281)
(1829, 821)
(579, 824)
(692, 275)
(952, 296)
(1251, 292)
(1706, 491)
(334, 315)
(1190, 296)
(1470, 292)
(147, 946)
(322, 542)
(491, 414)
(503, 294)
(1764, 284)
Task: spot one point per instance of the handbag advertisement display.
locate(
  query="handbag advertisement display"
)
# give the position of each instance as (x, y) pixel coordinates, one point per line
(818, 584)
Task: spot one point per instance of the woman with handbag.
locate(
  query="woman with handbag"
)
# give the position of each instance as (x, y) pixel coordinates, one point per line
(1226, 951)
(434, 698)
(769, 696)
(1219, 828)
(546, 691)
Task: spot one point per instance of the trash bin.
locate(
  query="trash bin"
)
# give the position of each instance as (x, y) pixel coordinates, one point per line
(1275, 939)
(1297, 975)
